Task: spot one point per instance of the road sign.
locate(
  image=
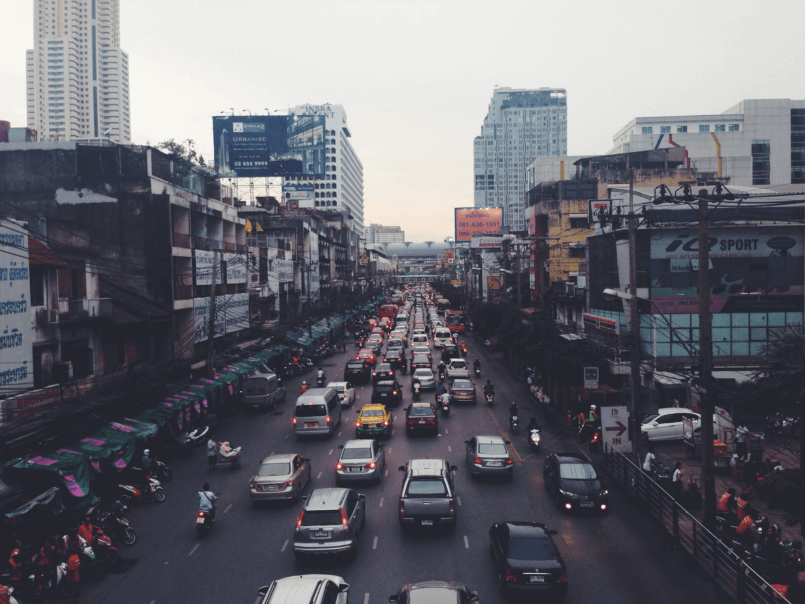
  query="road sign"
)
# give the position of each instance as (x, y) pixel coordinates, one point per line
(614, 427)
(591, 378)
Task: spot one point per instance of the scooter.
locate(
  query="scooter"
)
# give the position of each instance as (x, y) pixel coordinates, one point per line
(477, 369)
(151, 490)
(94, 568)
(204, 521)
(533, 439)
(230, 456)
(114, 524)
(463, 349)
(514, 423)
(417, 388)
(158, 469)
(321, 380)
(105, 551)
(441, 375)
(445, 409)
(490, 398)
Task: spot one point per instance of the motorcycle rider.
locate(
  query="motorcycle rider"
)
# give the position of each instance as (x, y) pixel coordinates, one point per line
(489, 388)
(445, 399)
(206, 501)
(440, 389)
(303, 387)
(320, 375)
(728, 504)
(476, 365)
(86, 531)
(441, 369)
(593, 419)
(532, 424)
(15, 564)
(147, 462)
(513, 411)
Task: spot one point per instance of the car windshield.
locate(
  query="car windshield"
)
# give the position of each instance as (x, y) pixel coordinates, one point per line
(421, 411)
(321, 518)
(532, 549)
(458, 365)
(577, 471)
(274, 469)
(357, 453)
(424, 374)
(310, 410)
(426, 487)
(462, 385)
(434, 595)
(492, 449)
(650, 418)
(371, 413)
(421, 358)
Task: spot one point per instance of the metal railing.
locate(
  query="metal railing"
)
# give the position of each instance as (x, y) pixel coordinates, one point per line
(739, 581)
(84, 308)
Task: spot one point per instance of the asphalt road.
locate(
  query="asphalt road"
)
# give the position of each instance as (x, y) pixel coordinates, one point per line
(616, 557)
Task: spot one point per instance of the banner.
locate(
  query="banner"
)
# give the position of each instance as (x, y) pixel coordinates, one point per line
(16, 328)
(236, 271)
(231, 314)
(204, 262)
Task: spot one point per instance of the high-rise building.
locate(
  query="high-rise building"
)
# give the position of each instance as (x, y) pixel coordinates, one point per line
(520, 126)
(78, 76)
(377, 233)
(341, 188)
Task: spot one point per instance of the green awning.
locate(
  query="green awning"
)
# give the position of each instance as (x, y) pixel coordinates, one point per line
(71, 467)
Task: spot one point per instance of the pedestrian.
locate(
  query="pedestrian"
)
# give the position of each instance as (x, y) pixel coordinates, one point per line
(651, 460)
(73, 589)
(212, 452)
(676, 480)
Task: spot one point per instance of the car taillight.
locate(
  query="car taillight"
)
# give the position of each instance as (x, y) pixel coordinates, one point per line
(509, 461)
(345, 522)
(339, 466)
(562, 577)
(452, 507)
(357, 424)
(293, 420)
(299, 520)
(253, 485)
(510, 576)
(371, 465)
(478, 460)
(394, 393)
(402, 507)
(411, 421)
(328, 419)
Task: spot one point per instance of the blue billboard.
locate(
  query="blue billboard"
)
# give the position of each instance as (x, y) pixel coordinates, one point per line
(269, 145)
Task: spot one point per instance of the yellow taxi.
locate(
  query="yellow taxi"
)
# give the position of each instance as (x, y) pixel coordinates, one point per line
(374, 421)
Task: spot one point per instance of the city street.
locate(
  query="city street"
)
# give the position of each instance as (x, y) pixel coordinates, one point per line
(617, 557)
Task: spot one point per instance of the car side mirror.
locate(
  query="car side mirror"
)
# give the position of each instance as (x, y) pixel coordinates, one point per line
(303, 499)
(361, 496)
(343, 588)
(454, 468)
(401, 468)
(262, 591)
(508, 442)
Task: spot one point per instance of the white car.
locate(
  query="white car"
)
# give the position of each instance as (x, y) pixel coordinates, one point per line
(457, 368)
(666, 424)
(345, 392)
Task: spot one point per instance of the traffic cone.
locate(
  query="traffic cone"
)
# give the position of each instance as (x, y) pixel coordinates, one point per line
(569, 418)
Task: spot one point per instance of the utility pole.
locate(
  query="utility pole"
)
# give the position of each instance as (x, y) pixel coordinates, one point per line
(634, 326)
(211, 328)
(706, 359)
(519, 274)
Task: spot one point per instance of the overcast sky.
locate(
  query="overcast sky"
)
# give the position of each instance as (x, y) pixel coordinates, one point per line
(415, 78)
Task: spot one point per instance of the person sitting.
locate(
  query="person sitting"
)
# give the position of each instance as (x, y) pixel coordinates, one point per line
(650, 461)
(476, 364)
(206, 500)
(728, 505)
(489, 388)
(513, 410)
(533, 425)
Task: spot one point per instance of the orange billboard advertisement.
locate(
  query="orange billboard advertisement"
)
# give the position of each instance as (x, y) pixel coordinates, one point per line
(477, 221)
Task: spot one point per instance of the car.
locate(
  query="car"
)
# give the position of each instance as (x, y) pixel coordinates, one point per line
(527, 561)
(400, 333)
(434, 592)
(421, 417)
(428, 496)
(421, 349)
(281, 476)
(374, 344)
(425, 377)
(666, 424)
(357, 371)
(457, 368)
(382, 371)
(395, 344)
(330, 523)
(574, 483)
(345, 392)
(489, 456)
(441, 337)
(305, 589)
(396, 359)
(374, 420)
(420, 361)
(360, 461)
(462, 391)
(450, 351)
(387, 392)
(367, 355)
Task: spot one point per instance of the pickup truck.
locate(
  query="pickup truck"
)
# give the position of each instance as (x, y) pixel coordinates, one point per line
(428, 496)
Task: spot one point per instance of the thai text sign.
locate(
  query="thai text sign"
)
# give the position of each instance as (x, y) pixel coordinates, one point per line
(478, 221)
(16, 330)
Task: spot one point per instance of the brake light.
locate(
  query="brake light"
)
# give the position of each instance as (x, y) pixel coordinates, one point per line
(386, 423)
(253, 485)
(509, 461)
(452, 507)
(293, 420)
(394, 393)
(478, 460)
(510, 576)
(339, 466)
(371, 465)
(200, 514)
(562, 577)
(328, 419)
(357, 424)
(299, 520)
(411, 421)
(345, 522)
(402, 506)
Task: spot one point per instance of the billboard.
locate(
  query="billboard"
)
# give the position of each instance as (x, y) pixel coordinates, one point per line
(236, 268)
(204, 262)
(16, 329)
(752, 269)
(471, 222)
(269, 145)
(231, 314)
(303, 194)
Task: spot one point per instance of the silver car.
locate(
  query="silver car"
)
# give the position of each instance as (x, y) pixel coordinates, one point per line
(489, 456)
(330, 523)
(427, 381)
(457, 368)
(360, 461)
(281, 476)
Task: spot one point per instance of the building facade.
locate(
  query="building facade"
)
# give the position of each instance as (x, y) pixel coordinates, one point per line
(377, 233)
(520, 126)
(77, 74)
(755, 143)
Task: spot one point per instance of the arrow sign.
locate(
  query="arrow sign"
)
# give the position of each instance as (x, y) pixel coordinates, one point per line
(619, 427)
(615, 425)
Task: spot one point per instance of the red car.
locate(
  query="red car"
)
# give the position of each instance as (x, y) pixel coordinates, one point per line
(368, 356)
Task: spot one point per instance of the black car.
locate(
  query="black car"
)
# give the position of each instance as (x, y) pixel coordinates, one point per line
(421, 417)
(357, 371)
(526, 560)
(450, 352)
(574, 483)
(434, 592)
(396, 360)
(382, 372)
(388, 393)
(420, 361)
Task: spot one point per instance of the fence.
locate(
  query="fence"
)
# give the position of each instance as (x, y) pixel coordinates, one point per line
(722, 564)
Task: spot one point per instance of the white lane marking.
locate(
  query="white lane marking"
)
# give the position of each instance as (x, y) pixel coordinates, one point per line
(339, 433)
(381, 499)
(193, 551)
(389, 451)
(366, 598)
(387, 472)
(445, 431)
(374, 543)
(459, 500)
(229, 507)
(449, 448)
(331, 452)
(466, 542)
(319, 476)
(284, 545)
(286, 436)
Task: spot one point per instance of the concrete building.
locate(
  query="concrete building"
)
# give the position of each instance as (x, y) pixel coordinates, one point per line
(756, 142)
(377, 233)
(78, 76)
(520, 126)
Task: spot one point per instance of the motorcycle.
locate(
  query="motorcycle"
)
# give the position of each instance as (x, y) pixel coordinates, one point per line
(226, 454)
(204, 519)
(514, 423)
(112, 522)
(105, 551)
(151, 490)
(441, 375)
(445, 409)
(94, 568)
(321, 380)
(477, 369)
(42, 585)
(490, 398)
(463, 349)
(417, 387)
(533, 440)
(158, 470)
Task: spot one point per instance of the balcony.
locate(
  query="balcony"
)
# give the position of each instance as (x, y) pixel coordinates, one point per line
(200, 243)
(181, 240)
(88, 308)
(229, 246)
(182, 292)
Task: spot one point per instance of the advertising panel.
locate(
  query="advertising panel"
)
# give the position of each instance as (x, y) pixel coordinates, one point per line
(16, 329)
(204, 267)
(315, 286)
(231, 314)
(235, 268)
(30, 403)
(486, 242)
(253, 265)
(303, 195)
(285, 271)
(269, 145)
(478, 221)
(752, 269)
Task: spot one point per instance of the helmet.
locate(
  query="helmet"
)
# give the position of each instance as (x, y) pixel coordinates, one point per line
(147, 452)
(514, 404)
(775, 529)
(488, 381)
(593, 407)
(304, 383)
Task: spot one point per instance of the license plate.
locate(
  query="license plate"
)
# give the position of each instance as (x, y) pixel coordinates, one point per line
(200, 520)
(373, 425)
(536, 579)
(321, 535)
(494, 464)
(586, 504)
(383, 394)
(422, 421)
(311, 425)
(353, 469)
(427, 523)
(272, 487)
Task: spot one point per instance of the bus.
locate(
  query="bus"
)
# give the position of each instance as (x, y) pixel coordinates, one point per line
(456, 320)
(388, 310)
(442, 304)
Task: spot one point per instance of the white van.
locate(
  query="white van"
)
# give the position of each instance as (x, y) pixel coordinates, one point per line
(420, 338)
(441, 337)
(317, 411)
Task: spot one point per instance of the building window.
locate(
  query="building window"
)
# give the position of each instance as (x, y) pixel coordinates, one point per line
(681, 128)
(734, 128)
(704, 128)
(579, 223)
(798, 146)
(761, 165)
(721, 127)
(576, 251)
(37, 287)
(665, 129)
(647, 130)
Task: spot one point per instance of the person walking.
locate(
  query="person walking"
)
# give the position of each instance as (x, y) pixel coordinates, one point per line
(676, 481)
(212, 452)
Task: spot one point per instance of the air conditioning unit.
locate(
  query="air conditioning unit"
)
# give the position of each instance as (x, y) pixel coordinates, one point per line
(63, 371)
(42, 317)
